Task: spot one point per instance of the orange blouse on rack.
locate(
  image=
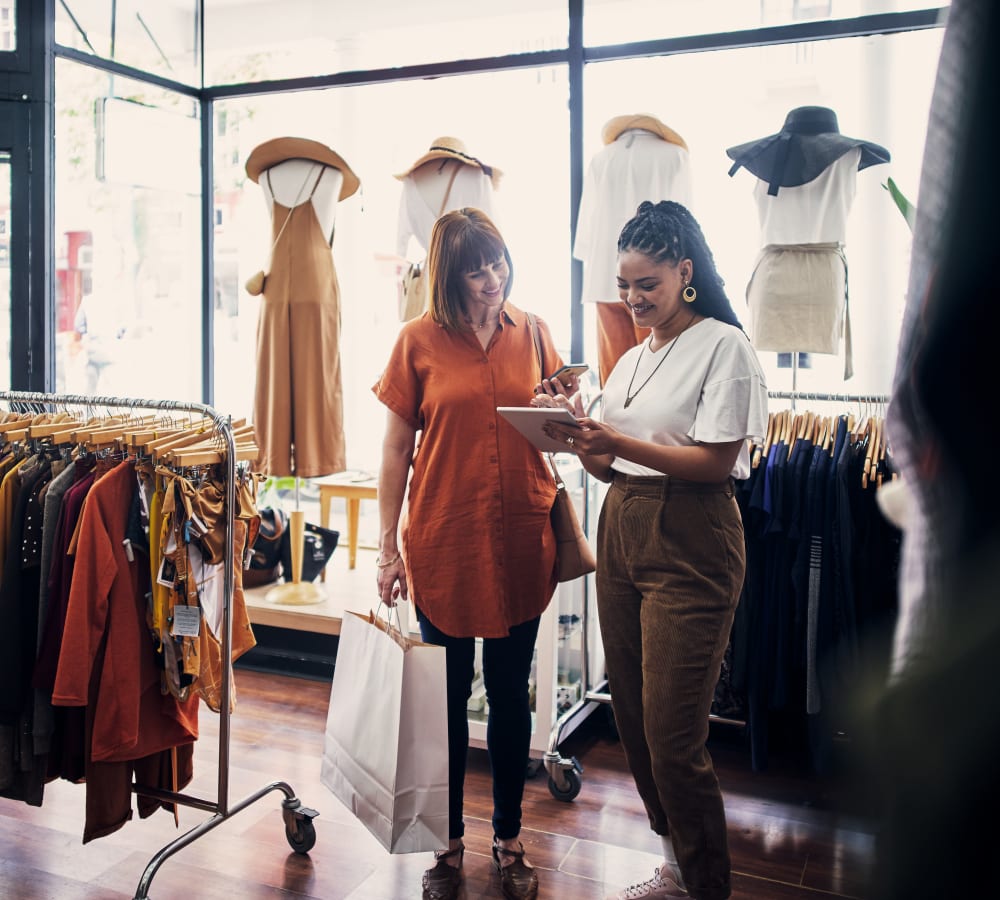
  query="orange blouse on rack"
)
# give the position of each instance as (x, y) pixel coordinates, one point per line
(476, 538)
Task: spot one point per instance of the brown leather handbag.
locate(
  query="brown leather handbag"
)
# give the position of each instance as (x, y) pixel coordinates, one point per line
(574, 558)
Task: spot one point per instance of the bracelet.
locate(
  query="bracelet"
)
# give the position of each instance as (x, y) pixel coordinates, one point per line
(387, 563)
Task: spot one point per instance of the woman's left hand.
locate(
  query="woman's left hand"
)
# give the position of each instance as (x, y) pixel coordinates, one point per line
(591, 438)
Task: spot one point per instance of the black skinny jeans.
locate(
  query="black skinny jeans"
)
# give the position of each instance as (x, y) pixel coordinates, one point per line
(506, 667)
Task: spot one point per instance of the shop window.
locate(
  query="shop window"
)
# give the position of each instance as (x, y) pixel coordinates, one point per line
(735, 96)
(254, 42)
(620, 21)
(8, 25)
(517, 121)
(128, 238)
(155, 37)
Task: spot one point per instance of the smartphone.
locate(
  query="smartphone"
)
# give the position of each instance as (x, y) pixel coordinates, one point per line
(572, 369)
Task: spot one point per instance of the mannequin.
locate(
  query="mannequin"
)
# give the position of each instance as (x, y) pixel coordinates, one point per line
(298, 398)
(642, 159)
(286, 180)
(444, 178)
(805, 186)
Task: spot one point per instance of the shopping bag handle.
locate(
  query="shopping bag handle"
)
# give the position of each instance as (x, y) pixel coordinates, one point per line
(385, 624)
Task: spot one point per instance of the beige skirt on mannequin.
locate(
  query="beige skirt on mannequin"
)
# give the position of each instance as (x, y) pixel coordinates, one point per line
(298, 398)
(797, 297)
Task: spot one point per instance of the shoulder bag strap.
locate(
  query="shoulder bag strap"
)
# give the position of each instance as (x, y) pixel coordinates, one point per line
(533, 324)
(447, 192)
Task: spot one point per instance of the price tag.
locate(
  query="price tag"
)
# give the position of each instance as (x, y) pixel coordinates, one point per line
(187, 621)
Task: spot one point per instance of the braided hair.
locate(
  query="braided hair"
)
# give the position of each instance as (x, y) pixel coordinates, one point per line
(666, 232)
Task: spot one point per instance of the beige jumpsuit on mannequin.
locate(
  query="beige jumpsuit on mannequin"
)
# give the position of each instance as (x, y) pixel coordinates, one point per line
(298, 404)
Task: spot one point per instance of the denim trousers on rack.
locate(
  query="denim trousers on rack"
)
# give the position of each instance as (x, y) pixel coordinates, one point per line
(670, 564)
(506, 668)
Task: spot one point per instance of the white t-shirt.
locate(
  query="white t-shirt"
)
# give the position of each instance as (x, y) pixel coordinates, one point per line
(638, 165)
(812, 213)
(711, 390)
(471, 187)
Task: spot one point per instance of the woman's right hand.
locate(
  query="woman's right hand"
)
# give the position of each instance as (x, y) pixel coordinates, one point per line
(552, 393)
(391, 579)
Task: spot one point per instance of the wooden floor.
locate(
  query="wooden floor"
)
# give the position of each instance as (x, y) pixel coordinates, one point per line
(790, 835)
(786, 840)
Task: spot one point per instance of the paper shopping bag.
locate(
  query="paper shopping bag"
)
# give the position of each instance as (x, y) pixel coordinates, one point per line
(385, 754)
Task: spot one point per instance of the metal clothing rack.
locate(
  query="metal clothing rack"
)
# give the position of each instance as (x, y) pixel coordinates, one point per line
(299, 828)
(827, 398)
(565, 773)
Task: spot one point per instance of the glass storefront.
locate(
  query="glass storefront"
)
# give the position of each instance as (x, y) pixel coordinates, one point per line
(735, 96)
(248, 42)
(516, 121)
(128, 238)
(150, 35)
(8, 25)
(128, 207)
(620, 21)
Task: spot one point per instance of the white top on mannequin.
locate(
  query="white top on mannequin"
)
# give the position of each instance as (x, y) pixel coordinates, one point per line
(424, 191)
(811, 213)
(292, 181)
(638, 165)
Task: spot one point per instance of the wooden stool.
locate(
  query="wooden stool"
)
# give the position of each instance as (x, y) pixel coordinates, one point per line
(353, 492)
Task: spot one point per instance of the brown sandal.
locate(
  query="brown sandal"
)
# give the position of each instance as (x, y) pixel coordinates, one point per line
(443, 881)
(518, 880)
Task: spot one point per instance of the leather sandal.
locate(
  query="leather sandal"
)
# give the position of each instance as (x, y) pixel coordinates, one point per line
(443, 881)
(518, 880)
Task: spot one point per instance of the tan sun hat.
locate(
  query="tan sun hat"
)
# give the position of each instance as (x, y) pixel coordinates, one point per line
(619, 124)
(277, 150)
(453, 148)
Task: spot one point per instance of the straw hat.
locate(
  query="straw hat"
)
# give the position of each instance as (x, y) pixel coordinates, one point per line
(453, 148)
(613, 128)
(809, 141)
(277, 150)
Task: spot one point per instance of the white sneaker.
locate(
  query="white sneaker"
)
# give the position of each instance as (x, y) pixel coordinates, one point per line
(659, 887)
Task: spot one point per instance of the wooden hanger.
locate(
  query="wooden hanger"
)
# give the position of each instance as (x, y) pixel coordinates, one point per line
(761, 449)
(22, 421)
(191, 456)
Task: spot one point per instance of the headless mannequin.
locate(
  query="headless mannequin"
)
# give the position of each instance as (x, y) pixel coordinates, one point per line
(433, 182)
(292, 181)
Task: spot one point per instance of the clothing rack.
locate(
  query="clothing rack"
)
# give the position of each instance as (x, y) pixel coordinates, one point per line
(299, 829)
(565, 773)
(827, 398)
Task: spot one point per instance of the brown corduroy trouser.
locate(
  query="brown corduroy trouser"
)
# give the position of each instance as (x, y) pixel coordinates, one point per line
(670, 565)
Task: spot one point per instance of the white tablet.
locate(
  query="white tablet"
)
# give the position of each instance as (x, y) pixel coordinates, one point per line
(530, 420)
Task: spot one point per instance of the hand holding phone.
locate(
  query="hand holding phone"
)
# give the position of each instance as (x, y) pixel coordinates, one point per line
(569, 371)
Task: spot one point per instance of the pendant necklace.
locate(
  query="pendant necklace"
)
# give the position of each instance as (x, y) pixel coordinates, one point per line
(629, 396)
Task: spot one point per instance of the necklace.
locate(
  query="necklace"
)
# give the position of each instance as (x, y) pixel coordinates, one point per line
(629, 396)
(482, 325)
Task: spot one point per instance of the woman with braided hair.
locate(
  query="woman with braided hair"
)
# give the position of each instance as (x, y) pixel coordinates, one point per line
(677, 412)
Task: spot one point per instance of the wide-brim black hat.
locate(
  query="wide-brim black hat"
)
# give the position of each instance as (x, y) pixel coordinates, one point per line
(808, 142)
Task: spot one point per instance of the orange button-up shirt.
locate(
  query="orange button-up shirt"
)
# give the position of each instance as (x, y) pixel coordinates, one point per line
(479, 550)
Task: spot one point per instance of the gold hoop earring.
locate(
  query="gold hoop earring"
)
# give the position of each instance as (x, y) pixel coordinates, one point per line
(689, 294)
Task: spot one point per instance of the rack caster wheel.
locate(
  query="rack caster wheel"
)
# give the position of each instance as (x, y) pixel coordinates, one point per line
(299, 828)
(573, 784)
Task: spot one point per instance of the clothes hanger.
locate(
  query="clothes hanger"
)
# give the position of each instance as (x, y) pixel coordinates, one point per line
(169, 455)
